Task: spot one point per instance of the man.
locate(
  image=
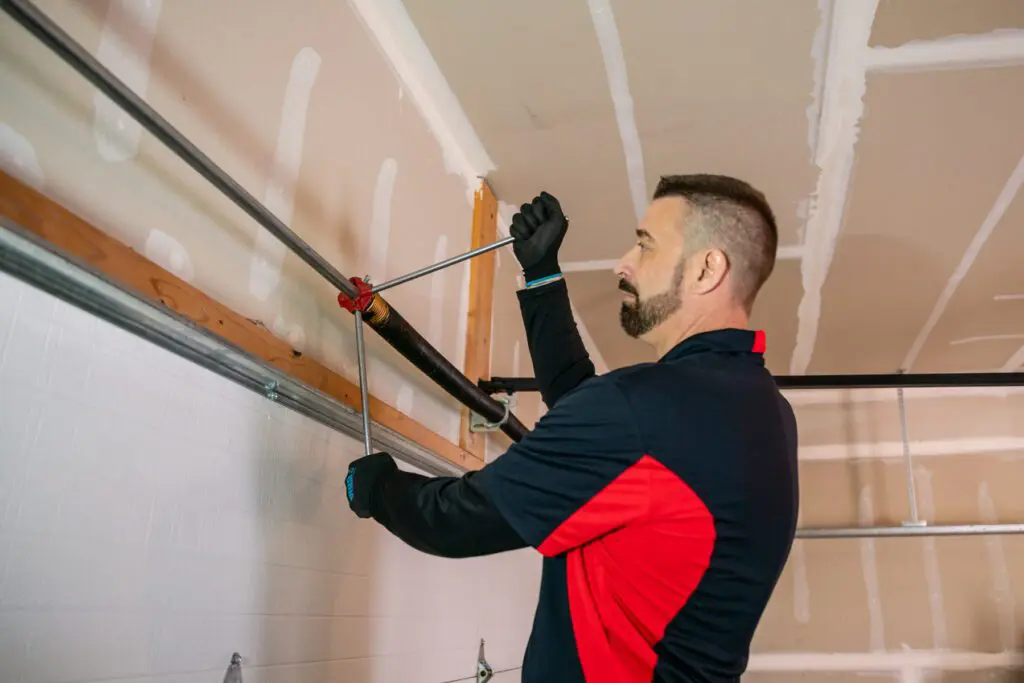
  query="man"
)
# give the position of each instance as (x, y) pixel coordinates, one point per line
(662, 496)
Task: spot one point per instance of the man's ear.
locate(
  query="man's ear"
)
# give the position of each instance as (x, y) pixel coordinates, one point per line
(712, 267)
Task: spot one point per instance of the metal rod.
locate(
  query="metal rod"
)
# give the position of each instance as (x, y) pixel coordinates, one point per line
(44, 28)
(502, 385)
(443, 264)
(892, 381)
(364, 392)
(908, 461)
(402, 337)
(884, 531)
(40, 264)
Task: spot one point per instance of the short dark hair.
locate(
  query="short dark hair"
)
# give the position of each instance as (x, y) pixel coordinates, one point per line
(732, 216)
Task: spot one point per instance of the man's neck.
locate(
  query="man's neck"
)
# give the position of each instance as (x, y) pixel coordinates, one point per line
(676, 329)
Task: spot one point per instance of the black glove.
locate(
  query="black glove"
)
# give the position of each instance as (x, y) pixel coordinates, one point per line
(365, 477)
(538, 229)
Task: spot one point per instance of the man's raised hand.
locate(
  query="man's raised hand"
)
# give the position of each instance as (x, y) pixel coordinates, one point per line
(538, 229)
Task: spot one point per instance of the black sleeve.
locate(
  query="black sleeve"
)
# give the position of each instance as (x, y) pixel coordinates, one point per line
(581, 473)
(444, 516)
(578, 475)
(560, 360)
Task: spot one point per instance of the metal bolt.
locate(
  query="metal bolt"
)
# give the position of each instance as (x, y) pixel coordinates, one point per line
(271, 390)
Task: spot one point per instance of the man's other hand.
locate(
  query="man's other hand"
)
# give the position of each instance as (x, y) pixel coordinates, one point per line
(365, 477)
(538, 229)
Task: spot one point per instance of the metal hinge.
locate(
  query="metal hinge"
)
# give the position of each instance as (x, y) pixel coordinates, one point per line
(484, 672)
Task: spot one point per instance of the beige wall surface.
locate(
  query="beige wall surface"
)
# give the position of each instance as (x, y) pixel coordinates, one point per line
(942, 608)
(310, 119)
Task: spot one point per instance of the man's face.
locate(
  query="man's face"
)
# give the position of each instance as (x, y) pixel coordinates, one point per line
(651, 273)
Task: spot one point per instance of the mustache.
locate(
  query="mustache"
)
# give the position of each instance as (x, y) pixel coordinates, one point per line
(628, 288)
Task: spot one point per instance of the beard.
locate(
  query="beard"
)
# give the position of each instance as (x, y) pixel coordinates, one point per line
(642, 315)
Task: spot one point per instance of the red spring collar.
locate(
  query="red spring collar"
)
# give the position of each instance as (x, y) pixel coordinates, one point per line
(361, 301)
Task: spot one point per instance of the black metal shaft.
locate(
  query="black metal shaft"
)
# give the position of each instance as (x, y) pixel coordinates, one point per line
(411, 344)
(511, 385)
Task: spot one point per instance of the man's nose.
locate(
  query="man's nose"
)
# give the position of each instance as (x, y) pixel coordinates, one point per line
(624, 268)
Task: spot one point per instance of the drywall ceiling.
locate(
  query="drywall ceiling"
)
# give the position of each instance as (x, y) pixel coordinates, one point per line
(901, 227)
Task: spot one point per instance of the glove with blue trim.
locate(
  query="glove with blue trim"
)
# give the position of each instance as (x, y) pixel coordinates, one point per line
(364, 480)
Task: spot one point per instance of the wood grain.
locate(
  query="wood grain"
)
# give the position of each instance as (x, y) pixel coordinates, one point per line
(481, 297)
(131, 270)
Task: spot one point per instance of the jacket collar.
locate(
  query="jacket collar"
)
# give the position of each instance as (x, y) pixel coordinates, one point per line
(729, 340)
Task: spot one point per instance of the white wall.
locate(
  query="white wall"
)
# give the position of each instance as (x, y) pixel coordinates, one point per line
(155, 518)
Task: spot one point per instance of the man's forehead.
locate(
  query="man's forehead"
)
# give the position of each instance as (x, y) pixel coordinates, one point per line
(664, 216)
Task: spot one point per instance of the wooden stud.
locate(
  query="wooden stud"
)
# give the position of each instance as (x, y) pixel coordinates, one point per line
(51, 221)
(481, 297)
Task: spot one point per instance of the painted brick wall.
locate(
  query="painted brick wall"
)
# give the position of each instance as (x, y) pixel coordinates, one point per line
(155, 518)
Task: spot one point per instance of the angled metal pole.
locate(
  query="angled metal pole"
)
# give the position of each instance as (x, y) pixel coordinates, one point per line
(442, 264)
(364, 392)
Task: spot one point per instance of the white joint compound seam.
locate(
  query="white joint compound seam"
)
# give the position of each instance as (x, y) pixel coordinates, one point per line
(18, 158)
(841, 109)
(1002, 591)
(932, 572)
(116, 133)
(1002, 47)
(279, 197)
(869, 568)
(603, 18)
(985, 230)
(884, 450)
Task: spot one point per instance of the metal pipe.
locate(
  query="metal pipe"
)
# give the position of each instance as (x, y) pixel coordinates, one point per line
(364, 392)
(390, 325)
(442, 264)
(892, 381)
(504, 385)
(40, 264)
(403, 338)
(50, 34)
(885, 531)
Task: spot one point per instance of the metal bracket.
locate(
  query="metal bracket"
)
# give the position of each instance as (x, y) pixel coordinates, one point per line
(478, 423)
(234, 672)
(484, 672)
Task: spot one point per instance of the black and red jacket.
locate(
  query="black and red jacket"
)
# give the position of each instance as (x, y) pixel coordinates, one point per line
(663, 497)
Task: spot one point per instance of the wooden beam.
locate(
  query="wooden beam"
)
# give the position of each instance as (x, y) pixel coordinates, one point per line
(481, 298)
(51, 221)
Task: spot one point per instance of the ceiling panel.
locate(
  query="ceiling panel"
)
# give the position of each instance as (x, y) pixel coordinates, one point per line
(974, 310)
(530, 77)
(935, 150)
(718, 87)
(725, 87)
(900, 21)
